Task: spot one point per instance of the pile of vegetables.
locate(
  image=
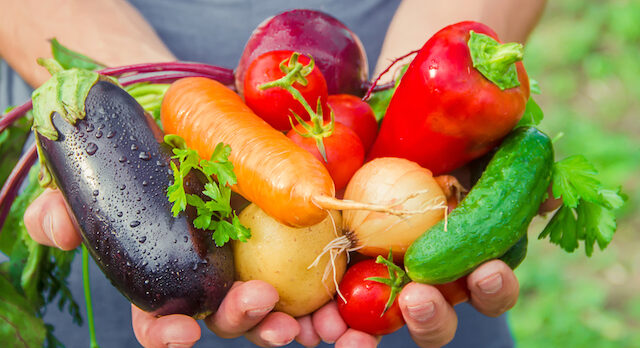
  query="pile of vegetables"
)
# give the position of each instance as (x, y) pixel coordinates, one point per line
(162, 203)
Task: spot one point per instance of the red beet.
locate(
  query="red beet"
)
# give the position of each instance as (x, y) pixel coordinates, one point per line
(337, 50)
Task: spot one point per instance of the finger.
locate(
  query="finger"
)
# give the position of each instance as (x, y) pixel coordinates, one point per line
(176, 330)
(48, 222)
(358, 339)
(244, 306)
(494, 288)
(430, 319)
(307, 336)
(277, 329)
(328, 323)
(550, 204)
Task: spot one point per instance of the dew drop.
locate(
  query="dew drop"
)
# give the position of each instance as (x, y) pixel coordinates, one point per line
(96, 193)
(90, 127)
(111, 134)
(145, 183)
(99, 134)
(122, 159)
(134, 223)
(91, 149)
(122, 187)
(120, 214)
(145, 156)
(134, 147)
(142, 239)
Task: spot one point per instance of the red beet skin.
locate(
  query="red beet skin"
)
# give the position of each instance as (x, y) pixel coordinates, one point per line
(337, 50)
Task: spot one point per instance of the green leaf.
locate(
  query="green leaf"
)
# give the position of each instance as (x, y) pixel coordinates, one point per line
(175, 141)
(379, 101)
(19, 325)
(175, 192)
(563, 221)
(574, 178)
(243, 233)
(223, 231)
(534, 86)
(532, 116)
(71, 59)
(12, 141)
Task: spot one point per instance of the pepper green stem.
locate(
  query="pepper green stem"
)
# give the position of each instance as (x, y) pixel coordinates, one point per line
(494, 60)
(87, 297)
(295, 72)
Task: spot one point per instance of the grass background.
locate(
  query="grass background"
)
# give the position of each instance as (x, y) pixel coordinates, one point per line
(586, 58)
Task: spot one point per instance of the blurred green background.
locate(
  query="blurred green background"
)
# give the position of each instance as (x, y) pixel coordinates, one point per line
(586, 57)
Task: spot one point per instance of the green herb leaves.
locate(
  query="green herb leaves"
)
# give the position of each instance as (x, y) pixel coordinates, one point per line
(214, 213)
(587, 211)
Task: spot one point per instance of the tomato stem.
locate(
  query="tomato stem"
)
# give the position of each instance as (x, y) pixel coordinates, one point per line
(397, 279)
(295, 72)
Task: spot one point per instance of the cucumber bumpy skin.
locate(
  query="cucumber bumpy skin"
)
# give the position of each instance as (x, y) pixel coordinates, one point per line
(494, 215)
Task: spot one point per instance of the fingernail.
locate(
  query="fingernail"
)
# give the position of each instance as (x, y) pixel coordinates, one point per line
(423, 311)
(47, 227)
(491, 284)
(180, 345)
(272, 338)
(258, 312)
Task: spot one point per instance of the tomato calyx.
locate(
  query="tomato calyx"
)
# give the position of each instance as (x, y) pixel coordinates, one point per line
(316, 129)
(397, 279)
(295, 72)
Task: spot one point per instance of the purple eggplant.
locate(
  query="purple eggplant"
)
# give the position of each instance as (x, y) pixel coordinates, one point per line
(113, 170)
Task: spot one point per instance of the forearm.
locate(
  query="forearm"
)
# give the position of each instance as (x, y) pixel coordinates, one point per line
(416, 20)
(109, 31)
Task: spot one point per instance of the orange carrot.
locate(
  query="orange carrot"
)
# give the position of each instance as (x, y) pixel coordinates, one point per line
(274, 173)
(286, 181)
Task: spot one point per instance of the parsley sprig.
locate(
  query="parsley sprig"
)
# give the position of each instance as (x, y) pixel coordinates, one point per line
(587, 213)
(215, 213)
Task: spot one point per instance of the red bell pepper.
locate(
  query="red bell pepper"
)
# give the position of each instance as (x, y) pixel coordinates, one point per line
(450, 108)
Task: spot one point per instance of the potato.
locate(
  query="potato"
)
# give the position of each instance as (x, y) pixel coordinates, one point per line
(280, 255)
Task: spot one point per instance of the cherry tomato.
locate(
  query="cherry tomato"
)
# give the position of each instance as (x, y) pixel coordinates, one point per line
(354, 113)
(344, 150)
(366, 300)
(274, 105)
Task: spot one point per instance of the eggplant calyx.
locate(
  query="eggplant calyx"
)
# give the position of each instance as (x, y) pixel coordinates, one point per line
(494, 60)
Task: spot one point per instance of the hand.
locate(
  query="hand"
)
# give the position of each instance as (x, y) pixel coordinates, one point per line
(246, 310)
(430, 319)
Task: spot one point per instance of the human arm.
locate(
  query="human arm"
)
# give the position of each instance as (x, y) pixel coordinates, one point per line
(110, 31)
(416, 20)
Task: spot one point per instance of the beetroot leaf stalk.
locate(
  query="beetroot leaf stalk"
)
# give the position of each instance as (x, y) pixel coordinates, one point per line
(10, 189)
(14, 115)
(373, 88)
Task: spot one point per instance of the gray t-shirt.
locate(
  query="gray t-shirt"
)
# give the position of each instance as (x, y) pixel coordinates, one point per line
(215, 31)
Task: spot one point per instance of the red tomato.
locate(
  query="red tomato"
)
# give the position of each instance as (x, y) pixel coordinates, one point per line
(344, 150)
(274, 105)
(366, 299)
(354, 113)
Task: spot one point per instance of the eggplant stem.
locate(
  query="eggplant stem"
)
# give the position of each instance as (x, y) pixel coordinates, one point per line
(386, 70)
(11, 186)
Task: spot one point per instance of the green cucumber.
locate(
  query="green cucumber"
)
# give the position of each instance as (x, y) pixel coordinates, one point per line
(494, 215)
(516, 254)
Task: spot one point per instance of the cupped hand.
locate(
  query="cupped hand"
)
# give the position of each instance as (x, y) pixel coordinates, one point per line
(431, 320)
(246, 310)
